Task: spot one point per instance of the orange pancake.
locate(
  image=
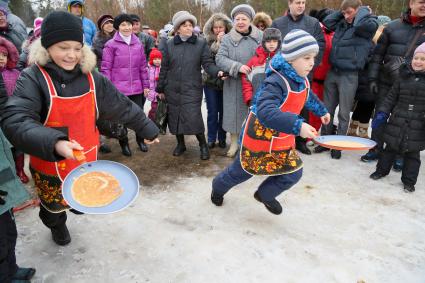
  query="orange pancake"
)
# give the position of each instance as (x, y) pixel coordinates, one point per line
(342, 144)
(96, 189)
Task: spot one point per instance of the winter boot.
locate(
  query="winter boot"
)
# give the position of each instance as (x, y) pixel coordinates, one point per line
(181, 147)
(142, 146)
(409, 188)
(372, 155)
(125, 147)
(60, 235)
(363, 130)
(398, 164)
(203, 146)
(272, 206)
(376, 175)
(320, 149)
(216, 198)
(233, 146)
(352, 129)
(336, 154)
(19, 165)
(23, 274)
(222, 144)
(301, 145)
(104, 148)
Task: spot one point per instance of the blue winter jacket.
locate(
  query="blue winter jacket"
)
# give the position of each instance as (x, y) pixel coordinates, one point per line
(89, 31)
(273, 92)
(351, 42)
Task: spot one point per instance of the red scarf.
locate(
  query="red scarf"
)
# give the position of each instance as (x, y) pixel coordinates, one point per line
(414, 20)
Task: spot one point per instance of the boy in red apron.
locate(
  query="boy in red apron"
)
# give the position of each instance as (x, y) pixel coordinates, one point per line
(268, 137)
(54, 110)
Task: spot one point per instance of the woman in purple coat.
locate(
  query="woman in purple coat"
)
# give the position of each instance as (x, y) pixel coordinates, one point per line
(124, 63)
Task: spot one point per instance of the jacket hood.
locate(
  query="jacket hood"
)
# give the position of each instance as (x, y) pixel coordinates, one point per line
(255, 34)
(39, 55)
(13, 55)
(262, 17)
(208, 33)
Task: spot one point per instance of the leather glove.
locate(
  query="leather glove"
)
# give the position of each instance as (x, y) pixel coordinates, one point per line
(2, 194)
(373, 87)
(379, 119)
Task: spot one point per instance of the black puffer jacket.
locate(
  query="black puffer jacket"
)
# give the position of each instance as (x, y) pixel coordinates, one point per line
(180, 80)
(394, 43)
(25, 112)
(99, 42)
(405, 130)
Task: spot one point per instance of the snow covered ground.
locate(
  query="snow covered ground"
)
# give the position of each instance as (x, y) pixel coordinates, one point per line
(337, 226)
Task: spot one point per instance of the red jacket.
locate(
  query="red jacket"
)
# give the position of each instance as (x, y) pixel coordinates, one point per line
(259, 59)
(322, 70)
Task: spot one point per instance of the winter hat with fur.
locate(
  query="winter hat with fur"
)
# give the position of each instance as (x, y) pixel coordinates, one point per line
(271, 34)
(182, 16)
(243, 9)
(298, 43)
(9, 49)
(264, 18)
(420, 49)
(61, 26)
(122, 18)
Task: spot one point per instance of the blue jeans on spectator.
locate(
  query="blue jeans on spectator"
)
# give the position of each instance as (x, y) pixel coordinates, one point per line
(214, 100)
(269, 189)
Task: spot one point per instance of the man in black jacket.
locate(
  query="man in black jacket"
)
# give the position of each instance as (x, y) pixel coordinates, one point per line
(296, 19)
(396, 45)
(354, 27)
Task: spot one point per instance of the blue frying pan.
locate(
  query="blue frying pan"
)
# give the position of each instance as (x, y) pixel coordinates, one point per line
(126, 177)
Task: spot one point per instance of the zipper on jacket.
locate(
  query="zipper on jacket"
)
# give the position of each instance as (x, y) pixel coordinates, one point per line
(131, 70)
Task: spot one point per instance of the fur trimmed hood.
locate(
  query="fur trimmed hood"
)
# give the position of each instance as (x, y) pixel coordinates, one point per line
(12, 53)
(208, 32)
(262, 17)
(39, 55)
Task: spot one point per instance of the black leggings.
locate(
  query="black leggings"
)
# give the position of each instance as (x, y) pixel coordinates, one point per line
(363, 111)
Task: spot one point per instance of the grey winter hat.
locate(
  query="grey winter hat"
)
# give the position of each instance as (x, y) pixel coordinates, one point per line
(182, 16)
(271, 34)
(298, 43)
(243, 9)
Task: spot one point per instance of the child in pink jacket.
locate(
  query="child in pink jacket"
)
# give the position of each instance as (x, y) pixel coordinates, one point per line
(9, 57)
(155, 59)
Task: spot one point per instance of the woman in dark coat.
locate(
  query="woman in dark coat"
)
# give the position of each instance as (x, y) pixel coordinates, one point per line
(180, 82)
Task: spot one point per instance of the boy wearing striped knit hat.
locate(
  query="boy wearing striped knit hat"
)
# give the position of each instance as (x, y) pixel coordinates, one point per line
(268, 137)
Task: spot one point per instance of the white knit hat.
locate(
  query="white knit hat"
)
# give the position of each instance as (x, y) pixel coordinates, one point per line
(182, 16)
(298, 43)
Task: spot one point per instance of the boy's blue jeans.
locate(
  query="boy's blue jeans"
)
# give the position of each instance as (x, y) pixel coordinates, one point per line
(214, 100)
(269, 189)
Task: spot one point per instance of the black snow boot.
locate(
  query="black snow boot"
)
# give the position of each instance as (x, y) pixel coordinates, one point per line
(301, 145)
(60, 235)
(125, 147)
(181, 147)
(409, 188)
(203, 146)
(336, 154)
(376, 175)
(142, 146)
(216, 199)
(273, 206)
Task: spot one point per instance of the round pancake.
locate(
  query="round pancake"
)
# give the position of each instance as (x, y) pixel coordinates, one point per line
(96, 189)
(348, 144)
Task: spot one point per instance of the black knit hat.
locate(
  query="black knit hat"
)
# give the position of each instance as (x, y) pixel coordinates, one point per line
(271, 34)
(61, 26)
(122, 18)
(135, 17)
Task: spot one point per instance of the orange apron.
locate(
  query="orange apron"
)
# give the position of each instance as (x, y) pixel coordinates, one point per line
(76, 117)
(265, 151)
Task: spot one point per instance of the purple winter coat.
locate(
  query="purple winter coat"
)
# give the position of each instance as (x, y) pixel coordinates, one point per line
(10, 77)
(125, 65)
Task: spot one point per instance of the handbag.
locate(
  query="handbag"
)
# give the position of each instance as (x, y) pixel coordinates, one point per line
(161, 116)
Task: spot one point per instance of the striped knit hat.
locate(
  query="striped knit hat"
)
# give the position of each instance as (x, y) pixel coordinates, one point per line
(298, 43)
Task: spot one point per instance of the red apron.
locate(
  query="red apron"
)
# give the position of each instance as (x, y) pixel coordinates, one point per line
(265, 151)
(76, 117)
